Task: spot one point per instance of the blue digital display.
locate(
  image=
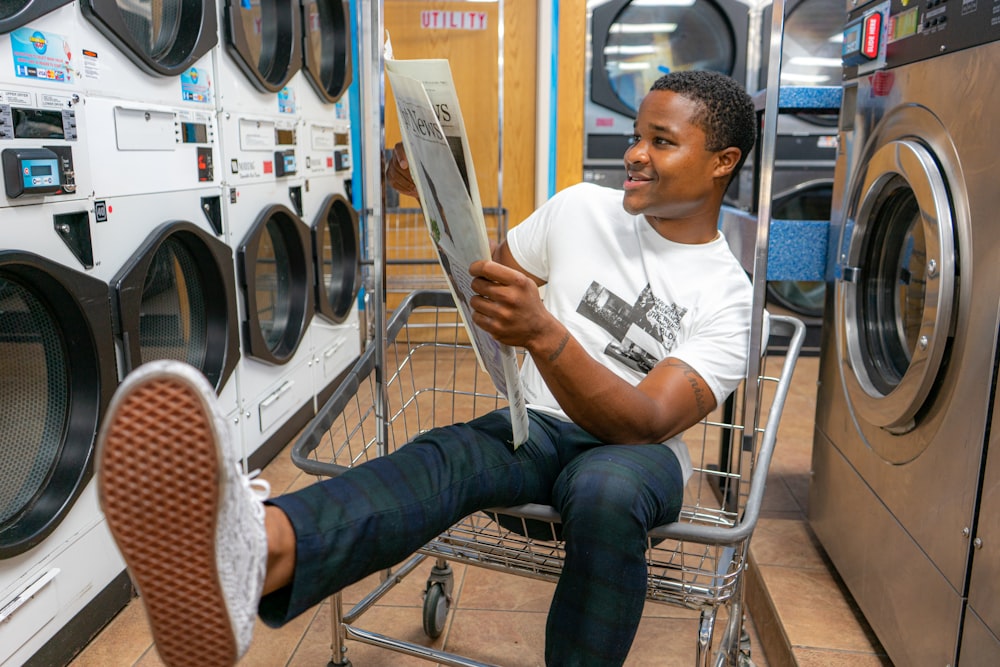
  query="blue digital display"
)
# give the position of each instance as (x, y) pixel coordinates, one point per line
(39, 173)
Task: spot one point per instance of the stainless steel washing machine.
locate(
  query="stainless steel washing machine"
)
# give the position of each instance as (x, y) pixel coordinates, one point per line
(631, 43)
(908, 371)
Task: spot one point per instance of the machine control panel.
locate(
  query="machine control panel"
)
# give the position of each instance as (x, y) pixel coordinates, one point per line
(898, 32)
(37, 171)
(29, 123)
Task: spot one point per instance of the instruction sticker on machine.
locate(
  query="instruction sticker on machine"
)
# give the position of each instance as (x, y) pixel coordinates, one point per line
(42, 55)
(440, 161)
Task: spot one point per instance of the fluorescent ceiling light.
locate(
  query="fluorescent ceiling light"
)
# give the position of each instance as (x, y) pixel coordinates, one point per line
(637, 28)
(791, 77)
(633, 66)
(626, 50)
(814, 61)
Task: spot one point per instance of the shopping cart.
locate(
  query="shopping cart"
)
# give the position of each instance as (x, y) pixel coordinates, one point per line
(430, 378)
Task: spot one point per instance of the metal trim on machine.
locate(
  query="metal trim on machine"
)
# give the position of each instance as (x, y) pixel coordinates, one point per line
(894, 367)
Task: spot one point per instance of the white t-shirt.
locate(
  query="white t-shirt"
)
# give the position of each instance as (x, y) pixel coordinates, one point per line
(633, 298)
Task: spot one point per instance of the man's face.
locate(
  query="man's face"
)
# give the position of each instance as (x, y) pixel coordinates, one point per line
(670, 174)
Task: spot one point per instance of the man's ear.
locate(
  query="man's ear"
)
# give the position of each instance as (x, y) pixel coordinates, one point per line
(726, 161)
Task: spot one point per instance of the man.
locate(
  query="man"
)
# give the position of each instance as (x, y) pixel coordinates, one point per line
(643, 331)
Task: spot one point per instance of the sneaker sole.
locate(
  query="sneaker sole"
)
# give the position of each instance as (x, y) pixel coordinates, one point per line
(159, 480)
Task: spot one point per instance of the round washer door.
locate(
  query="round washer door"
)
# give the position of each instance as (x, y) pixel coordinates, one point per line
(164, 37)
(634, 43)
(176, 299)
(337, 257)
(897, 286)
(326, 49)
(57, 374)
(276, 274)
(16, 13)
(264, 38)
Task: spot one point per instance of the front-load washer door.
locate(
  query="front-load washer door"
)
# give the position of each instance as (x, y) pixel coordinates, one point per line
(326, 49)
(16, 13)
(57, 374)
(634, 43)
(164, 37)
(176, 299)
(896, 289)
(337, 257)
(264, 38)
(275, 269)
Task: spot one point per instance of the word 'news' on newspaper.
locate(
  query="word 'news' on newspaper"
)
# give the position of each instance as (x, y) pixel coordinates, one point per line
(437, 150)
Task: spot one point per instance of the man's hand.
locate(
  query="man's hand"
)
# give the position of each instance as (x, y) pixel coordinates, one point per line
(397, 172)
(507, 305)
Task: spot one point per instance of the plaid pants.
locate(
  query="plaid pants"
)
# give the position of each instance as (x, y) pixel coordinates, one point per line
(377, 514)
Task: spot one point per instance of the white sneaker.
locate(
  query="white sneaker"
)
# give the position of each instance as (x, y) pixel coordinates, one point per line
(188, 522)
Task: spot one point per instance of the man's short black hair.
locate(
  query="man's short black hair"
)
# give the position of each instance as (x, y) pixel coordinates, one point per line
(728, 117)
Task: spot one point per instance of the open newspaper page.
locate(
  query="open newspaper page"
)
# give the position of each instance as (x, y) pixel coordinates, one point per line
(441, 166)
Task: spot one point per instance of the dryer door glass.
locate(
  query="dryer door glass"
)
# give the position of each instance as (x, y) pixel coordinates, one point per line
(273, 286)
(16, 13)
(650, 38)
(896, 294)
(327, 51)
(336, 241)
(162, 37)
(811, 50)
(265, 39)
(34, 398)
(154, 25)
(173, 320)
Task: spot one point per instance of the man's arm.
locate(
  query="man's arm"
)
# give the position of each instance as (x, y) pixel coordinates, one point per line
(671, 398)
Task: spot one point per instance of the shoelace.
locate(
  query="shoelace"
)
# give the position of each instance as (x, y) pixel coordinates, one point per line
(259, 488)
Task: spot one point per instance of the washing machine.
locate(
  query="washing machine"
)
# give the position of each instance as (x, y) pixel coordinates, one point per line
(58, 564)
(631, 43)
(980, 643)
(908, 371)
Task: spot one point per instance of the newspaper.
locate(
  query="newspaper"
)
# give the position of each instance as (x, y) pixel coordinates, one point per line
(437, 150)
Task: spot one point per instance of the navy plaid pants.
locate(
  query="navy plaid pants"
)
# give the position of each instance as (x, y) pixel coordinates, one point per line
(379, 513)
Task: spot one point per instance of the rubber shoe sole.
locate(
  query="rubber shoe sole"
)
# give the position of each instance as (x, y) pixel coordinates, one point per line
(159, 479)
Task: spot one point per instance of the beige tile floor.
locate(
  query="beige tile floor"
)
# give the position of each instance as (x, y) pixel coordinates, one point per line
(799, 611)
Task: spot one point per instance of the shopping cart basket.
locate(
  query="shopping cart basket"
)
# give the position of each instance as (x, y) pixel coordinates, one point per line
(431, 380)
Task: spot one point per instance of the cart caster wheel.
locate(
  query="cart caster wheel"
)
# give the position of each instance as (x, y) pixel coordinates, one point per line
(436, 605)
(345, 663)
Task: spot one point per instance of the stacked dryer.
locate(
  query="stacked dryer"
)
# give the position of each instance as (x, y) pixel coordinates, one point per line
(259, 123)
(325, 154)
(631, 43)
(57, 355)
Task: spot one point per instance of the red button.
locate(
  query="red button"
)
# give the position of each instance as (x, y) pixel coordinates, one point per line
(873, 31)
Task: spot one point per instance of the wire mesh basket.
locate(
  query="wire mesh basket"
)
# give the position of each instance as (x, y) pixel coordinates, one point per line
(431, 378)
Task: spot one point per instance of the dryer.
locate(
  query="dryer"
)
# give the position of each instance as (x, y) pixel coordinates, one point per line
(275, 287)
(57, 363)
(908, 370)
(631, 43)
(325, 156)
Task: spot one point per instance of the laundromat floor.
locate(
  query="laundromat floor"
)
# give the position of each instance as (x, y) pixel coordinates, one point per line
(799, 611)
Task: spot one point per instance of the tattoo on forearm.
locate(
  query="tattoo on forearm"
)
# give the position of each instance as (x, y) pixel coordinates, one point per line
(558, 351)
(691, 375)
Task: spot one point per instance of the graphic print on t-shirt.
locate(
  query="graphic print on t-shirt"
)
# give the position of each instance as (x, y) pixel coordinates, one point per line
(637, 329)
